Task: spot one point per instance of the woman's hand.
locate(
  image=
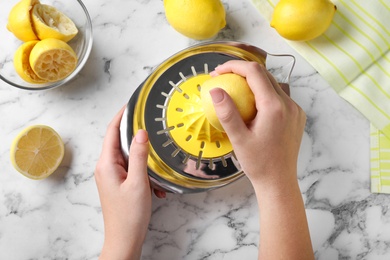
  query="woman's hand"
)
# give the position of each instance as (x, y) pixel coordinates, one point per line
(267, 149)
(125, 193)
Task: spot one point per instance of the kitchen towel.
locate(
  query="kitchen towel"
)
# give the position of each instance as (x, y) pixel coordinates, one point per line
(353, 57)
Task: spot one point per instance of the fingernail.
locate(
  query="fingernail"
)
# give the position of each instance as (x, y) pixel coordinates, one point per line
(213, 73)
(141, 137)
(217, 95)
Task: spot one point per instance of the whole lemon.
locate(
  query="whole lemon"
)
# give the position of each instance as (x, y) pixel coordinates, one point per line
(237, 88)
(302, 20)
(196, 19)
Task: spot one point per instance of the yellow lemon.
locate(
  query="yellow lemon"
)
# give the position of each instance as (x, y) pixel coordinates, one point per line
(52, 59)
(196, 19)
(37, 151)
(22, 63)
(302, 20)
(19, 20)
(237, 88)
(48, 22)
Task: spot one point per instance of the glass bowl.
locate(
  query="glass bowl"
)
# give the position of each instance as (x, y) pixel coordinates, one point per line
(81, 43)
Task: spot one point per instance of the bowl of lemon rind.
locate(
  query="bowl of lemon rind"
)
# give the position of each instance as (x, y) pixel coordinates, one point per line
(44, 43)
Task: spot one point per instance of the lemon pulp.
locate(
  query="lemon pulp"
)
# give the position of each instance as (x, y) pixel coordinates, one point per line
(52, 59)
(37, 151)
(19, 20)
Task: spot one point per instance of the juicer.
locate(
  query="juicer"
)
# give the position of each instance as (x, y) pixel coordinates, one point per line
(187, 154)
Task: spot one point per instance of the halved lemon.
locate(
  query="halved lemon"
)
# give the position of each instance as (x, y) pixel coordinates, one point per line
(237, 88)
(48, 22)
(52, 59)
(22, 63)
(19, 20)
(37, 151)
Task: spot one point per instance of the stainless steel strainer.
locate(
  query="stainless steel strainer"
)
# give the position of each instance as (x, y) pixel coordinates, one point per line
(187, 154)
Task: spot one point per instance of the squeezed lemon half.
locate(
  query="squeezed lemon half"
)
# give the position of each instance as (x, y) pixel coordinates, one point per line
(48, 22)
(22, 63)
(52, 59)
(37, 151)
(30, 20)
(19, 20)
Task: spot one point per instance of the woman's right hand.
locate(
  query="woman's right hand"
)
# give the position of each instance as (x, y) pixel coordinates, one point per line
(268, 146)
(267, 149)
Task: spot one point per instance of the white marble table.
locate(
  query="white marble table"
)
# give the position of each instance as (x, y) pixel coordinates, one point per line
(60, 217)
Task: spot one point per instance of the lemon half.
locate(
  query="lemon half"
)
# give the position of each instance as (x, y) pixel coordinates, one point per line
(22, 63)
(48, 22)
(237, 88)
(19, 20)
(53, 59)
(37, 151)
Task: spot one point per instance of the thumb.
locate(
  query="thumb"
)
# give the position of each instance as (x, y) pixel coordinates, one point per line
(228, 115)
(138, 157)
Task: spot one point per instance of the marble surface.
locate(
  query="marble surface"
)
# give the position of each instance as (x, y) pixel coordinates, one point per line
(60, 217)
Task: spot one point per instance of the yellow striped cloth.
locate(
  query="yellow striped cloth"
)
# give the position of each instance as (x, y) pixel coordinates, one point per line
(353, 56)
